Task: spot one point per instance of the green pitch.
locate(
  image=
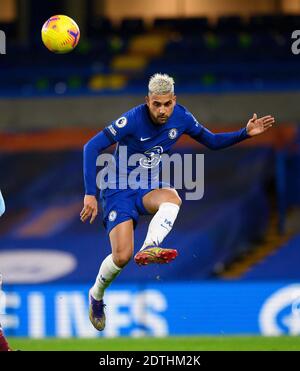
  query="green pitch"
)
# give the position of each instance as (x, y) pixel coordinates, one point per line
(170, 343)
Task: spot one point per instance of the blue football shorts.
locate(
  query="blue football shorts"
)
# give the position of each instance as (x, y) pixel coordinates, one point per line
(119, 205)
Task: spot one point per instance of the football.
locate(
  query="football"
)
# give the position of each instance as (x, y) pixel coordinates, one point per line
(60, 34)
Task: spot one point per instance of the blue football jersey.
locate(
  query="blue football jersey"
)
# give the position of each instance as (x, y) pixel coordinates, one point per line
(141, 143)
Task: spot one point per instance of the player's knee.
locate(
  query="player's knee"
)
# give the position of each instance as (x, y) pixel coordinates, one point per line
(178, 201)
(174, 198)
(122, 259)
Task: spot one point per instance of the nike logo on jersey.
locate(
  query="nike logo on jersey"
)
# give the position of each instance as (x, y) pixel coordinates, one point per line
(143, 139)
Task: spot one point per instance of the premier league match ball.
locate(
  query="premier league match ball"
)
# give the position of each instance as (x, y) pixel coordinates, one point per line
(60, 34)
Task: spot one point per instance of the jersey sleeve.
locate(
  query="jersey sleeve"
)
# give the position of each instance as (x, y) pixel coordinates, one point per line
(192, 127)
(122, 127)
(209, 139)
(113, 133)
(91, 150)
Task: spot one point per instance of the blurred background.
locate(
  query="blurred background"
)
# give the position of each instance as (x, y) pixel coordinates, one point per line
(238, 265)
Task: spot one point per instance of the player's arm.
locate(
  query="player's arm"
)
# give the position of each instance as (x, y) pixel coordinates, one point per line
(255, 126)
(91, 151)
(2, 205)
(115, 132)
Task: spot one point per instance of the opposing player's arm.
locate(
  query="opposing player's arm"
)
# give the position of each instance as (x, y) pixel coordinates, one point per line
(2, 205)
(255, 126)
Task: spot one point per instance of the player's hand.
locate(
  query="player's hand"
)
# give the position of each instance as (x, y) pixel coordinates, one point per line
(256, 126)
(90, 209)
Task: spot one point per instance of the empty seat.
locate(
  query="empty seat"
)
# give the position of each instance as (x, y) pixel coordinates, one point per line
(132, 26)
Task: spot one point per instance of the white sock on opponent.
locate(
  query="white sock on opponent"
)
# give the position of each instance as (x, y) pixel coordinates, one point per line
(2, 204)
(107, 273)
(161, 224)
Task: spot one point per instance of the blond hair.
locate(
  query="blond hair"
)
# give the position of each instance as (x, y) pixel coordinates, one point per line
(161, 84)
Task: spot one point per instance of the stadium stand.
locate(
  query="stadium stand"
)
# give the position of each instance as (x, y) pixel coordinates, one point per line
(255, 56)
(282, 264)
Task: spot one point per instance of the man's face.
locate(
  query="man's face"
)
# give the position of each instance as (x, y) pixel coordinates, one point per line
(161, 107)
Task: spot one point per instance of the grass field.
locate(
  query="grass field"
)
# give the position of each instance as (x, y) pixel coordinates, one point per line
(170, 343)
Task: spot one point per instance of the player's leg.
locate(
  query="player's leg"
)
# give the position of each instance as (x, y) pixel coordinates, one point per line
(165, 204)
(4, 347)
(2, 204)
(3, 343)
(122, 242)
